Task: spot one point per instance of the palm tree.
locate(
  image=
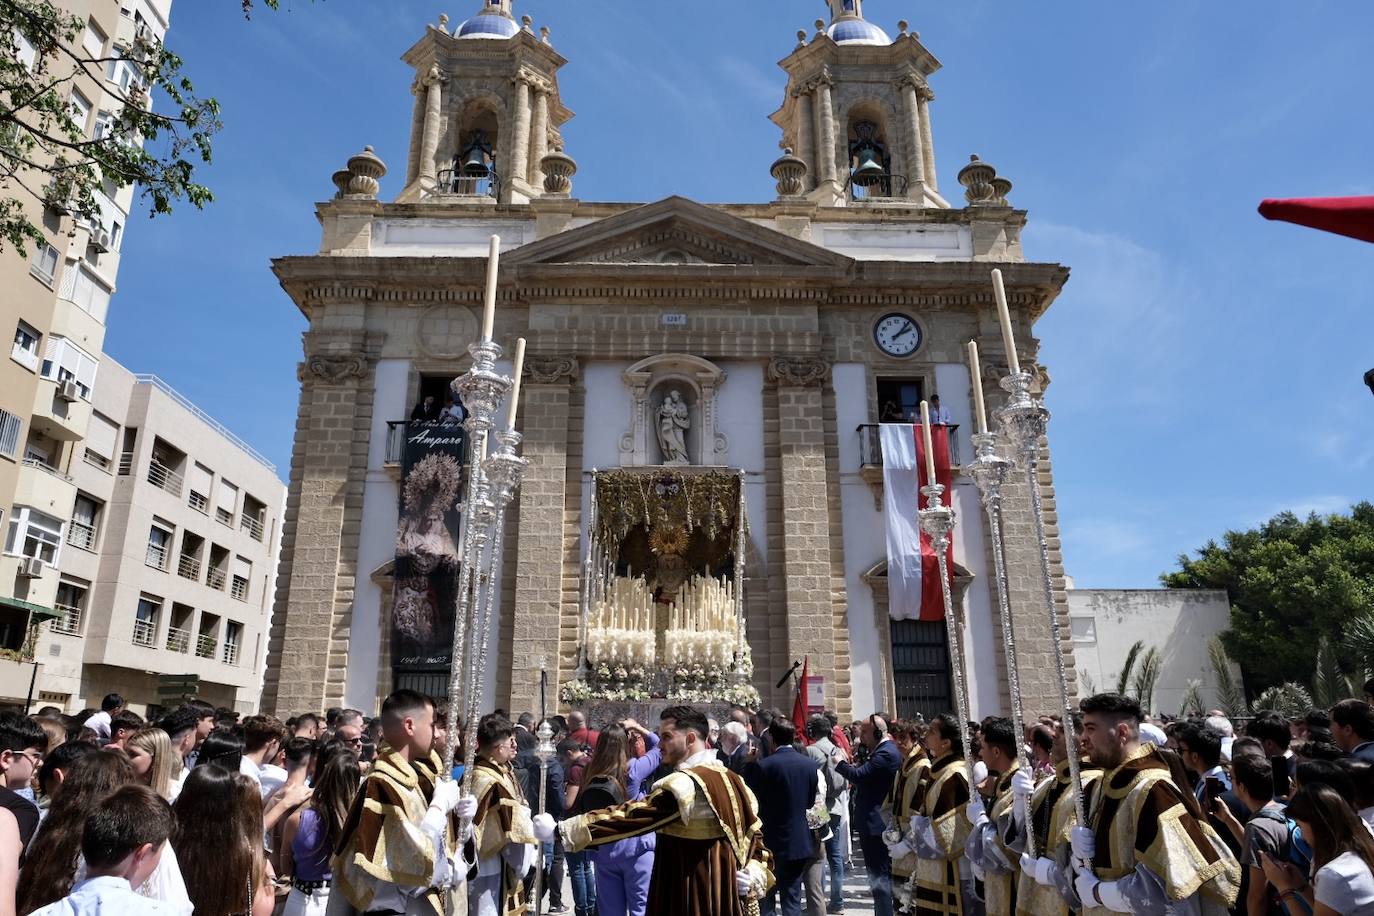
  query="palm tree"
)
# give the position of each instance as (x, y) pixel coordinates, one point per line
(1123, 680)
(1151, 664)
(1230, 694)
(1289, 700)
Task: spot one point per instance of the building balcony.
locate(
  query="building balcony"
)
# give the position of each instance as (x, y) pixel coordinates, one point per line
(178, 640)
(238, 589)
(68, 623)
(188, 567)
(145, 633)
(59, 413)
(81, 535)
(156, 557)
(164, 478)
(231, 654)
(205, 646)
(871, 457)
(199, 502)
(216, 578)
(45, 487)
(252, 526)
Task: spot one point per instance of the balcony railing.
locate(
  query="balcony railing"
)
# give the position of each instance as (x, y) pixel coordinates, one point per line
(156, 556)
(126, 463)
(871, 447)
(252, 526)
(96, 460)
(198, 501)
(881, 187)
(205, 646)
(145, 631)
(238, 589)
(215, 578)
(46, 468)
(68, 623)
(398, 431)
(231, 653)
(225, 516)
(164, 478)
(178, 640)
(188, 567)
(81, 535)
(452, 182)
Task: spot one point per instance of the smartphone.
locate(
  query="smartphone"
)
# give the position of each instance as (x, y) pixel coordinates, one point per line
(1213, 790)
(1280, 766)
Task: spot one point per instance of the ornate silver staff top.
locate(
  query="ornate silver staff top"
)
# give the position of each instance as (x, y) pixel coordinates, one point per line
(1024, 419)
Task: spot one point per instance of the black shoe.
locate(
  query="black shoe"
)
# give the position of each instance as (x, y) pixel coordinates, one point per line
(557, 908)
(834, 910)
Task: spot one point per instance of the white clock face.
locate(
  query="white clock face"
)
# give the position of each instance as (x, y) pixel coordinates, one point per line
(897, 334)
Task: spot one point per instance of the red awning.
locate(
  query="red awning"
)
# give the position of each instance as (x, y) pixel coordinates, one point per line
(1351, 216)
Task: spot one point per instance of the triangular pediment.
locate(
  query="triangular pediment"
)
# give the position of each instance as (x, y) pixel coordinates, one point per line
(676, 231)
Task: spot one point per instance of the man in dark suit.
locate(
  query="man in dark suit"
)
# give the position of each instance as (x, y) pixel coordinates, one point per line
(788, 785)
(871, 782)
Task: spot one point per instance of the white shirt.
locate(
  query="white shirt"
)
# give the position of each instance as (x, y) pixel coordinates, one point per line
(100, 724)
(250, 769)
(1346, 885)
(103, 897)
(177, 784)
(939, 416)
(165, 885)
(271, 778)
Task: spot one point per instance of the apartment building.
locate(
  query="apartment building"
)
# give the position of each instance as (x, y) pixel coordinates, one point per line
(56, 301)
(165, 549)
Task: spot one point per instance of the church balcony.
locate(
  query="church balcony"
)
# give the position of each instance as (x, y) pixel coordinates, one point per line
(871, 456)
(886, 187)
(453, 183)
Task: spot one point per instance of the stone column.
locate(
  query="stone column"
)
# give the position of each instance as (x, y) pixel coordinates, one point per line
(309, 641)
(826, 160)
(806, 138)
(915, 147)
(533, 624)
(541, 132)
(805, 520)
(924, 97)
(433, 84)
(417, 131)
(520, 138)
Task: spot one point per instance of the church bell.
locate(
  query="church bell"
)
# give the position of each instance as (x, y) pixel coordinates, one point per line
(474, 164)
(869, 170)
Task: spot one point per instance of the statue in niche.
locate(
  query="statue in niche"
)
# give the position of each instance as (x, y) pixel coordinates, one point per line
(673, 422)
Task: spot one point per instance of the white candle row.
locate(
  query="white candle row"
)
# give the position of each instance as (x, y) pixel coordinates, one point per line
(704, 604)
(628, 605)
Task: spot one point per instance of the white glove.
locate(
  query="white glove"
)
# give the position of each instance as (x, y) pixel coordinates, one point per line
(446, 795)
(919, 824)
(544, 826)
(1038, 869)
(466, 807)
(1083, 885)
(900, 850)
(1109, 892)
(1084, 844)
(1020, 805)
(744, 882)
(977, 811)
(1022, 784)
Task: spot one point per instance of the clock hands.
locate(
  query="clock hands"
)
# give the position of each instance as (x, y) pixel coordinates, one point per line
(904, 331)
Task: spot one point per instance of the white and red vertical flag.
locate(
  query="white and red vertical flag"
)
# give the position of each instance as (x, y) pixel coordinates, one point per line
(913, 572)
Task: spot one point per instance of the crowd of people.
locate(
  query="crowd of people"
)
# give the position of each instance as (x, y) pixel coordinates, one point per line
(207, 812)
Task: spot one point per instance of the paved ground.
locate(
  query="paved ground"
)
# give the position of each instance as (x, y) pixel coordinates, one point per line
(856, 895)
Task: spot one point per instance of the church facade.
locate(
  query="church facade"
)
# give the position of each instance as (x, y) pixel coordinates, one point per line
(759, 342)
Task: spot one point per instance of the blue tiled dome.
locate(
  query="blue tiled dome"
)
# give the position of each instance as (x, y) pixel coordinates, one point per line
(857, 32)
(488, 25)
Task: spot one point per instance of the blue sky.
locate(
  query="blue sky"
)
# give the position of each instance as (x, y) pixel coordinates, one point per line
(1206, 363)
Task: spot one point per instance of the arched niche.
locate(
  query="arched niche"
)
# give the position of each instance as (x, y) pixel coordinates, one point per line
(697, 382)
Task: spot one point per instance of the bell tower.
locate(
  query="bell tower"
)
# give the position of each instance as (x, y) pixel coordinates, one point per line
(857, 112)
(488, 114)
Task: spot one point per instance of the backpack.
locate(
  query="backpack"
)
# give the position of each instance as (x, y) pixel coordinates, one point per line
(834, 782)
(604, 784)
(1299, 852)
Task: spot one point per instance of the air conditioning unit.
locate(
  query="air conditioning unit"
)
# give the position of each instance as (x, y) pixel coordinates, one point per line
(30, 568)
(143, 35)
(100, 239)
(68, 390)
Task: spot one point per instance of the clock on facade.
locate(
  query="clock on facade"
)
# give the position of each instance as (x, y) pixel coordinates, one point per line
(897, 334)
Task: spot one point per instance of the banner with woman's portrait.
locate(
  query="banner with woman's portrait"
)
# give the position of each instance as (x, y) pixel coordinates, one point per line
(424, 601)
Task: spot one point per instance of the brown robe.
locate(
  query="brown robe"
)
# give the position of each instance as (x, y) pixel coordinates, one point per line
(708, 828)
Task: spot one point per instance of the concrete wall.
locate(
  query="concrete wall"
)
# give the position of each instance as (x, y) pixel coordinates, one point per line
(1178, 622)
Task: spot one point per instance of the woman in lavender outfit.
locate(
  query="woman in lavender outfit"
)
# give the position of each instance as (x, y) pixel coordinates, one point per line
(622, 869)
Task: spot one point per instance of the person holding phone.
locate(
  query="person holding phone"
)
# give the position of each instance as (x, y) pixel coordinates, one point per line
(1343, 858)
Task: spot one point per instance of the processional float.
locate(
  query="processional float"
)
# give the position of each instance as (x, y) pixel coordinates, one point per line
(1023, 420)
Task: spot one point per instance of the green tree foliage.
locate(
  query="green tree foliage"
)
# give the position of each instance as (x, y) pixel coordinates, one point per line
(51, 164)
(1292, 583)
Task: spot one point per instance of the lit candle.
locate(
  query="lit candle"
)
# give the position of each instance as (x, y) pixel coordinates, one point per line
(1004, 315)
(515, 387)
(979, 411)
(489, 304)
(925, 440)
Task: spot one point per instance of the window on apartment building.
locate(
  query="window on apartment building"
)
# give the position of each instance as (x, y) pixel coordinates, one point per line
(226, 501)
(83, 288)
(202, 481)
(34, 534)
(81, 110)
(145, 620)
(10, 425)
(65, 361)
(93, 41)
(25, 351)
(233, 639)
(159, 544)
(85, 522)
(71, 605)
(44, 264)
(28, 54)
(124, 73)
(101, 435)
(104, 124)
(243, 574)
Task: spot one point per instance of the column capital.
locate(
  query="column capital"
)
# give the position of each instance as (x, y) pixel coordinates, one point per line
(798, 371)
(434, 77)
(910, 81)
(551, 370)
(925, 93)
(333, 369)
